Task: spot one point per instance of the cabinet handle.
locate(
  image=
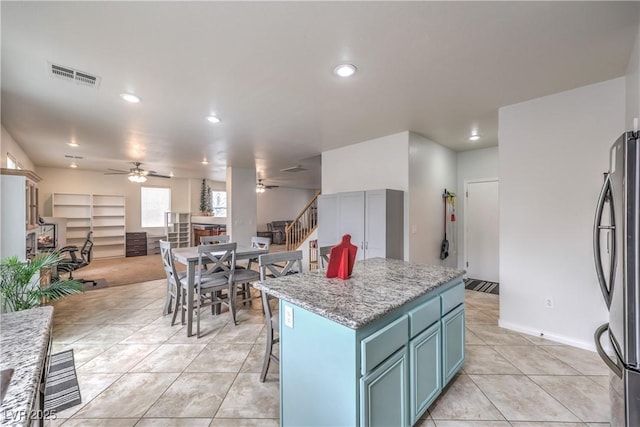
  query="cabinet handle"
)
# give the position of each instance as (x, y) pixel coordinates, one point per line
(366, 245)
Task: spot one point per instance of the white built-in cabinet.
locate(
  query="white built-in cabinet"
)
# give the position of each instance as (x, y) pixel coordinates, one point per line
(19, 219)
(102, 214)
(374, 219)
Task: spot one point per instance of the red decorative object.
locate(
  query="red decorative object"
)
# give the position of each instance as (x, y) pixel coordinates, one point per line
(341, 258)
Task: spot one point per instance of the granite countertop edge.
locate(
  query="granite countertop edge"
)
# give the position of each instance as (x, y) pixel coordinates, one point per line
(420, 285)
(24, 339)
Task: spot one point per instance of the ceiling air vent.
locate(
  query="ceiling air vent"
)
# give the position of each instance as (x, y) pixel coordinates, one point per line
(72, 75)
(73, 157)
(297, 168)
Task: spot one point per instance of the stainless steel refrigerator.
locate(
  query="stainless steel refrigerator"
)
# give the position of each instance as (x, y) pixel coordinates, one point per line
(615, 240)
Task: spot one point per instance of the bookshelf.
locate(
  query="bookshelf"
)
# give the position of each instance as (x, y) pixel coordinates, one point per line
(177, 228)
(102, 214)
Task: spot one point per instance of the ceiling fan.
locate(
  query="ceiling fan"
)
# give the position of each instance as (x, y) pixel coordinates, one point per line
(261, 187)
(136, 174)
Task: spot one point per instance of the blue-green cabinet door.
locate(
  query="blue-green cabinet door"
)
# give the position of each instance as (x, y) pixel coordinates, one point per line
(424, 371)
(452, 343)
(383, 393)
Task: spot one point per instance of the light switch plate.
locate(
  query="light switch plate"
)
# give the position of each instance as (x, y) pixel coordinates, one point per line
(288, 316)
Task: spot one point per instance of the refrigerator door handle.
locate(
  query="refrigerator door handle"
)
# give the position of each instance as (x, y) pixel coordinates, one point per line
(606, 196)
(614, 366)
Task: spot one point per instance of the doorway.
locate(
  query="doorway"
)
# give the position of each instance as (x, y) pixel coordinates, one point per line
(482, 232)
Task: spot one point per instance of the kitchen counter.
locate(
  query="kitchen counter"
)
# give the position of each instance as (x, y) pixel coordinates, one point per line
(377, 348)
(24, 344)
(376, 287)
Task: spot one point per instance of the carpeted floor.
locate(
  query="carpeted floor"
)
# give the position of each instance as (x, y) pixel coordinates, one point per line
(125, 271)
(122, 271)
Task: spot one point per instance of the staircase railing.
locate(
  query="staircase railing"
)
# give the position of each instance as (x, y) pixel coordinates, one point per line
(303, 225)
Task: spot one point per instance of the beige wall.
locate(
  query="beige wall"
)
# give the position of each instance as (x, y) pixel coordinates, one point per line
(56, 180)
(9, 145)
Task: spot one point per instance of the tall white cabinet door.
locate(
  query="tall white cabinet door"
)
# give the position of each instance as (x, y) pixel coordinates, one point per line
(376, 224)
(327, 220)
(351, 219)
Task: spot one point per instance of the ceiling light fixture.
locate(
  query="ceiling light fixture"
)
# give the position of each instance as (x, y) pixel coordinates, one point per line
(345, 70)
(260, 187)
(137, 177)
(73, 144)
(474, 137)
(205, 161)
(213, 118)
(129, 97)
(73, 165)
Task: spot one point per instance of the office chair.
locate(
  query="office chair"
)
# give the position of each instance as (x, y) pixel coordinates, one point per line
(74, 261)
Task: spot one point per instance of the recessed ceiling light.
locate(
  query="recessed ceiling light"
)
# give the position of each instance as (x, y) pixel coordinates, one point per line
(345, 70)
(73, 165)
(213, 118)
(73, 144)
(205, 161)
(129, 97)
(474, 137)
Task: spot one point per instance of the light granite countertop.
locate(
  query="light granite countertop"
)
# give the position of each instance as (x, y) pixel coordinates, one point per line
(376, 287)
(24, 341)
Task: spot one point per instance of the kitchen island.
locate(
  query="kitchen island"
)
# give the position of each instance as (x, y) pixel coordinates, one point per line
(375, 349)
(25, 338)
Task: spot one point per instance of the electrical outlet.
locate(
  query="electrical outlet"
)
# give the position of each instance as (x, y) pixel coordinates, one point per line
(288, 316)
(548, 302)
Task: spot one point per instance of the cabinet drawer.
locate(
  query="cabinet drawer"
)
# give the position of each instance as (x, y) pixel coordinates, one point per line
(136, 252)
(138, 241)
(452, 298)
(137, 235)
(382, 344)
(424, 316)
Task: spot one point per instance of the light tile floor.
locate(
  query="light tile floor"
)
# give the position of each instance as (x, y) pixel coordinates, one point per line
(134, 369)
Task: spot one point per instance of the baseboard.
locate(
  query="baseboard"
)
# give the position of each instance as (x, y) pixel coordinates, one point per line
(585, 345)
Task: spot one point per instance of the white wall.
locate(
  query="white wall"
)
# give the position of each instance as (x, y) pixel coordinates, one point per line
(281, 204)
(472, 165)
(633, 85)
(9, 145)
(369, 165)
(241, 205)
(553, 151)
(432, 168)
(380, 163)
(56, 180)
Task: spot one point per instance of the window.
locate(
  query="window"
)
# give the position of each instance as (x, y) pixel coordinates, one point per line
(219, 203)
(154, 202)
(11, 162)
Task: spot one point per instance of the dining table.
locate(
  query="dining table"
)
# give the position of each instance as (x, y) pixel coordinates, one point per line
(189, 257)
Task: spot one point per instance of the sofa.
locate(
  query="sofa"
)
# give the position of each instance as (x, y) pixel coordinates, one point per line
(277, 229)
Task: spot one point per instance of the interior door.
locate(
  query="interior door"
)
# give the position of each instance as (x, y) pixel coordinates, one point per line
(482, 230)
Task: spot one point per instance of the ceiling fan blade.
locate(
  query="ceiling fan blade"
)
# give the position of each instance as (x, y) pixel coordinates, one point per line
(117, 170)
(271, 186)
(157, 175)
(116, 173)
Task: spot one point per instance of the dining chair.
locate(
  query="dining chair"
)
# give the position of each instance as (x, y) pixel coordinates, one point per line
(261, 242)
(277, 264)
(323, 255)
(218, 275)
(173, 278)
(258, 243)
(214, 240)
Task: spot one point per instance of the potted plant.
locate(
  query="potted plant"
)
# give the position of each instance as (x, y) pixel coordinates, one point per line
(20, 287)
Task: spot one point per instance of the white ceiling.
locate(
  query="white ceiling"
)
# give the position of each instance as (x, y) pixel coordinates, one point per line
(440, 69)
